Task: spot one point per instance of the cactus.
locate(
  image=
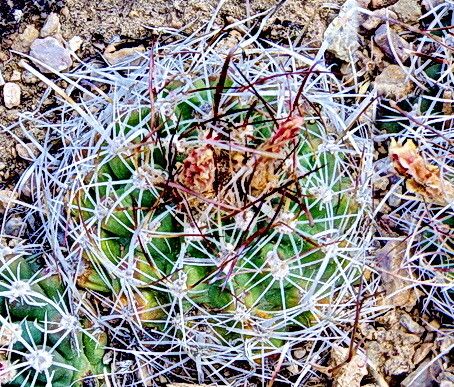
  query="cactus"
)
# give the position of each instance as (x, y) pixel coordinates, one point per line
(211, 207)
(218, 216)
(42, 342)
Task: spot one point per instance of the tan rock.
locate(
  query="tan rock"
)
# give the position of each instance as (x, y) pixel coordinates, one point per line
(27, 151)
(421, 352)
(23, 41)
(115, 57)
(6, 198)
(348, 374)
(15, 76)
(407, 11)
(393, 83)
(52, 26)
(374, 4)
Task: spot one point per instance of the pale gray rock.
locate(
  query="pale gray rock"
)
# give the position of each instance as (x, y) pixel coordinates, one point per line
(378, 17)
(425, 375)
(394, 43)
(52, 53)
(341, 35)
(410, 325)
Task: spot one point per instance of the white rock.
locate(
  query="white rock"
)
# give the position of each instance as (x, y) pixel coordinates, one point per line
(75, 43)
(52, 26)
(52, 53)
(11, 95)
(2, 80)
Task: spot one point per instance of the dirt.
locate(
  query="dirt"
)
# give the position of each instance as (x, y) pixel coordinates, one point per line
(118, 19)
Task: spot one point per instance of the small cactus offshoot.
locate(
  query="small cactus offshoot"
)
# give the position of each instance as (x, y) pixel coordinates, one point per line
(42, 343)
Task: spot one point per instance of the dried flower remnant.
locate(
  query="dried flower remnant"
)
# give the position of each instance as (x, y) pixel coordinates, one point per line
(264, 173)
(423, 178)
(198, 172)
(286, 132)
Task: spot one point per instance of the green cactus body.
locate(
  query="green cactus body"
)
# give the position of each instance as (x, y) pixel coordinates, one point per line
(45, 342)
(174, 267)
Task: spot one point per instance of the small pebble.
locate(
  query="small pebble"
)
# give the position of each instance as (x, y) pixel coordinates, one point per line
(11, 95)
(2, 80)
(300, 353)
(51, 52)
(15, 76)
(27, 151)
(52, 26)
(75, 43)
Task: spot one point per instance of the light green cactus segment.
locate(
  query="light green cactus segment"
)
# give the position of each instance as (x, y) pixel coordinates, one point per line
(51, 351)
